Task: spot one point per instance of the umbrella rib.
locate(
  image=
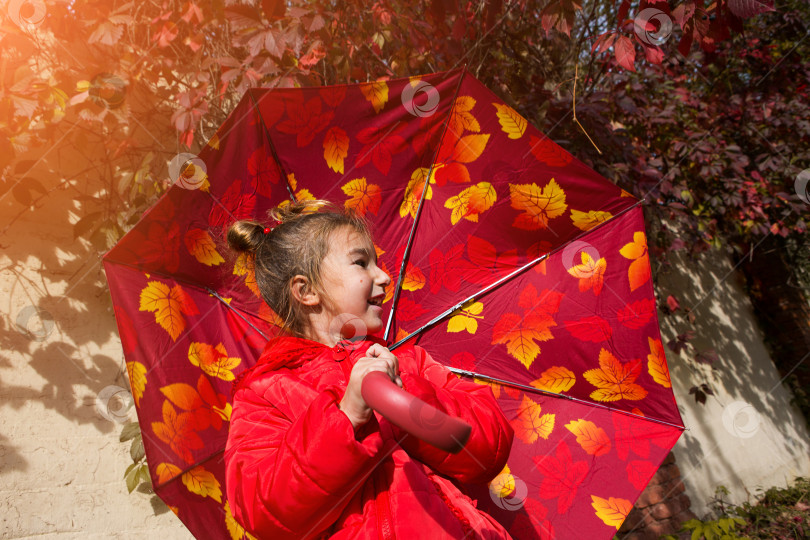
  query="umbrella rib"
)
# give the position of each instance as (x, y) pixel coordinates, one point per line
(418, 214)
(272, 148)
(534, 389)
(218, 297)
(437, 319)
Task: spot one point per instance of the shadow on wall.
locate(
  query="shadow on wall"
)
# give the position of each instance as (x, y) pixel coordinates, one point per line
(747, 434)
(57, 331)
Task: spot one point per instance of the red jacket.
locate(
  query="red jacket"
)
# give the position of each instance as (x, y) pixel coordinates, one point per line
(296, 469)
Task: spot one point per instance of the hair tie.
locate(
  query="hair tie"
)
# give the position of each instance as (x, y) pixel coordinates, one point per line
(273, 224)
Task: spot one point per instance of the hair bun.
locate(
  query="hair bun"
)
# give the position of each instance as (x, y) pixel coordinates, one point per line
(245, 236)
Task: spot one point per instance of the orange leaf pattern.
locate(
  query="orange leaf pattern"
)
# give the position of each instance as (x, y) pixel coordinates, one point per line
(177, 430)
(335, 148)
(612, 510)
(530, 423)
(614, 379)
(657, 363)
(539, 205)
(503, 485)
(588, 220)
(202, 247)
(137, 380)
(169, 306)
(363, 197)
(203, 483)
(639, 271)
(471, 202)
(375, 93)
(590, 437)
(590, 273)
(413, 193)
(466, 318)
(213, 361)
(461, 117)
(555, 379)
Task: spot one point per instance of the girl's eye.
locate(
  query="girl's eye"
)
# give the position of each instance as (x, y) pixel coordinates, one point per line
(361, 262)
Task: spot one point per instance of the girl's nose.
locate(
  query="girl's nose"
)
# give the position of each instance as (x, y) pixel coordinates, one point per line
(383, 278)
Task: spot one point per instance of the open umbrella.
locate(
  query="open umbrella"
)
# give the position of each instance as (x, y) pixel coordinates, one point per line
(512, 261)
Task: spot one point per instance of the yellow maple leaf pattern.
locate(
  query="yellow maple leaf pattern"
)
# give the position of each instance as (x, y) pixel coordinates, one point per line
(503, 485)
(202, 247)
(243, 266)
(465, 318)
(363, 197)
(555, 379)
(413, 191)
(169, 306)
(471, 202)
(639, 271)
(615, 380)
(511, 122)
(375, 93)
(590, 437)
(414, 278)
(137, 380)
(612, 511)
(589, 220)
(203, 483)
(530, 423)
(214, 361)
(461, 118)
(538, 205)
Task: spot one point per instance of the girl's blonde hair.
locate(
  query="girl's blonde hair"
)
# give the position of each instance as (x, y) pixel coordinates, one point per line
(297, 245)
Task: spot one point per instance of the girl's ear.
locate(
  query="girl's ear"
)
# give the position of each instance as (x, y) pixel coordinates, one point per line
(303, 292)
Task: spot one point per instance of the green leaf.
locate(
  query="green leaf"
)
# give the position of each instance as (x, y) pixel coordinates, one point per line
(724, 524)
(136, 449)
(692, 524)
(130, 431)
(143, 475)
(131, 477)
(697, 534)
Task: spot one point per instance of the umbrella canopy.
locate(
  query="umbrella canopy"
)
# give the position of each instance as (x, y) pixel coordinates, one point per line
(511, 260)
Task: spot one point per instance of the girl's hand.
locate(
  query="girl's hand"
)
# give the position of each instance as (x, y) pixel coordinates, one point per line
(378, 358)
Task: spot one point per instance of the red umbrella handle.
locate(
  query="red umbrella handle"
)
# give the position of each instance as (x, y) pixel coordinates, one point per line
(414, 415)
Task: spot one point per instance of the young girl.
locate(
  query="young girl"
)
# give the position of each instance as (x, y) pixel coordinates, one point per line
(306, 457)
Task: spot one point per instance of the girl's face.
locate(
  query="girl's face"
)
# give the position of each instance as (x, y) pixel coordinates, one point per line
(353, 283)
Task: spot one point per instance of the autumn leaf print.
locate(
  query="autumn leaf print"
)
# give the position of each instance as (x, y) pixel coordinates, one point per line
(520, 333)
(465, 318)
(413, 192)
(530, 423)
(202, 247)
(363, 197)
(590, 273)
(538, 205)
(511, 122)
(461, 117)
(590, 437)
(169, 306)
(555, 379)
(562, 476)
(335, 148)
(471, 202)
(305, 120)
(548, 152)
(615, 380)
(588, 220)
(177, 431)
(637, 314)
(203, 483)
(137, 380)
(657, 363)
(375, 93)
(636, 251)
(612, 511)
(214, 361)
